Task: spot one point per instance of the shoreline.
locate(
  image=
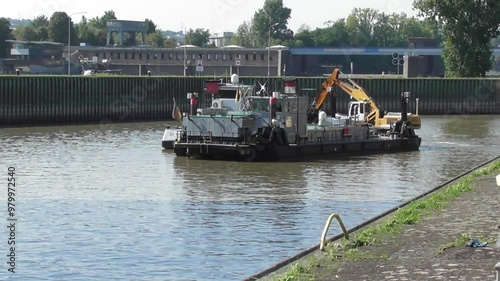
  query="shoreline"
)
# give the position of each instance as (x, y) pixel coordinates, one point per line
(306, 262)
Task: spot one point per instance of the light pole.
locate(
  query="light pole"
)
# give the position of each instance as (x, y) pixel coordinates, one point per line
(185, 53)
(69, 39)
(269, 51)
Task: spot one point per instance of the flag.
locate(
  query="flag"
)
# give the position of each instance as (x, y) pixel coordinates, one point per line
(176, 112)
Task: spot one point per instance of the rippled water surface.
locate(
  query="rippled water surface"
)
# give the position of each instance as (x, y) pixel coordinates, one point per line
(109, 204)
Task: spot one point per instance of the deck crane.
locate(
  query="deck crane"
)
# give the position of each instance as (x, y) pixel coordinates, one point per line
(364, 106)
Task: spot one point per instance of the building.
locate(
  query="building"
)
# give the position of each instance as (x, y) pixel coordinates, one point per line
(35, 57)
(195, 60)
(221, 39)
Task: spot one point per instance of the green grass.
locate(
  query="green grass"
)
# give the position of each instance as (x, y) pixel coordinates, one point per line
(460, 241)
(299, 272)
(350, 250)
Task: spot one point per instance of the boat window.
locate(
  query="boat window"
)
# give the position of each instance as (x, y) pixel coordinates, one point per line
(260, 105)
(354, 109)
(227, 94)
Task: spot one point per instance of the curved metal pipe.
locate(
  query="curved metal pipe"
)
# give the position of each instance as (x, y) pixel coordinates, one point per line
(327, 226)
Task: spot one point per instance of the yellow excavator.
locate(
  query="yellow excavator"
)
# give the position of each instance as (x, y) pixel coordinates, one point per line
(365, 108)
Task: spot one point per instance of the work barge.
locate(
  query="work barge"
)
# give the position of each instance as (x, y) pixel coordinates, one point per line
(239, 123)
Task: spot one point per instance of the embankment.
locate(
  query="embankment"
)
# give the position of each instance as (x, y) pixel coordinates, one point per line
(47, 100)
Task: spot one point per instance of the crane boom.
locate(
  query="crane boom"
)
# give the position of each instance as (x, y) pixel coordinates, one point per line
(325, 87)
(320, 98)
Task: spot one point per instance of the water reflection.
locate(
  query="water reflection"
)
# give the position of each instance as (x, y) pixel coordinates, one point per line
(223, 180)
(466, 126)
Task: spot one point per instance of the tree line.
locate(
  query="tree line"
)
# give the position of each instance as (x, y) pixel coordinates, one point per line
(466, 29)
(92, 31)
(361, 28)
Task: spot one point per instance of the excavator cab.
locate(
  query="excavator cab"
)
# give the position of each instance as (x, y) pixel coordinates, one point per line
(358, 110)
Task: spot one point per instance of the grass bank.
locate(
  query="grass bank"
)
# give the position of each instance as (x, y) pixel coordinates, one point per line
(351, 250)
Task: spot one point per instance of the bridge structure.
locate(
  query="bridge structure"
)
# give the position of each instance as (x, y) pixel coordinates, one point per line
(125, 26)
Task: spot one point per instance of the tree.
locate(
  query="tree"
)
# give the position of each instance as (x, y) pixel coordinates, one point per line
(198, 37)
(150, 27)
(334, 36)
(360, 25)
(365, 27)
(468, 27)
(273, 12)
(86, 33)
(156, 39)
(5, 34)
(26, 33)
(98, 25)
(58, 28)
(40, 25)
(245, 35)
(170, 43)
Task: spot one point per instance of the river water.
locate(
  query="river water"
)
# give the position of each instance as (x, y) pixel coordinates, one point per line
(106, 203)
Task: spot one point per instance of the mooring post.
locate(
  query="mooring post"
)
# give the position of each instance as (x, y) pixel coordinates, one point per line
(497, 245)
(497, 267)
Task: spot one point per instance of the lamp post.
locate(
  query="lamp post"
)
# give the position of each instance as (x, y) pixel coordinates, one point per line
(69, 39)
(269, 51)
(185, 52)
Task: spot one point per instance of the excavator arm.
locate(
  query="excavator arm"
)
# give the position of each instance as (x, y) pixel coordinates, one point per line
(353, 90)
(320, 98)
(323, 93)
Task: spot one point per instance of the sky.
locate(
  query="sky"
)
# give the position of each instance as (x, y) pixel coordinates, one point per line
(215, 15)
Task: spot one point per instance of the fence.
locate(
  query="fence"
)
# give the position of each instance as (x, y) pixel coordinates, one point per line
(43, 100)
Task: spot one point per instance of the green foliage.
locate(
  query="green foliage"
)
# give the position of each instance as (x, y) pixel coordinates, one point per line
(468, 28)
(198, 37)
(86, 33)
(170, 43)
(274, 14)
(299, 272)
(35, 30)
(25, 33)
(460, 241)
(366, 27)
(156, 39)
(58, 28)
(245, 35)
(150, 27)
(97, 27)
(5, 34)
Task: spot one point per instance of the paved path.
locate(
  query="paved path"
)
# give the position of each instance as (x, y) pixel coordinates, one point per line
(414, 255)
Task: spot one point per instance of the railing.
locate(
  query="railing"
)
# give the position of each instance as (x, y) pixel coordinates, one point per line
(497, 267)
(327, 226)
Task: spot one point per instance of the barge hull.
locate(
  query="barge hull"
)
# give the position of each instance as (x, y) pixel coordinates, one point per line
(167, 144)
(292, 152)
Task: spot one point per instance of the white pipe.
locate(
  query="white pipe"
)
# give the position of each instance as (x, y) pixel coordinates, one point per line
(497, 267)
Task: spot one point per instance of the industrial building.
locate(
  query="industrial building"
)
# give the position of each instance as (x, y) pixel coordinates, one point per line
(417, 60)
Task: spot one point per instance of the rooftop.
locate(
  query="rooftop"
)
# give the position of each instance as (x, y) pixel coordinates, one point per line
(34, 42)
